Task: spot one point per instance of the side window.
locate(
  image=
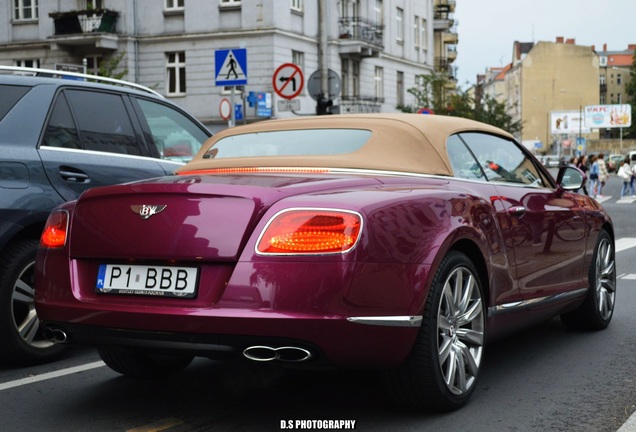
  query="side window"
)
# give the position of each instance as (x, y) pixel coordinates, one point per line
(175, 135)
(462, 161)
(61, 130)
(502, 160)
(10, 96)
(104, 122)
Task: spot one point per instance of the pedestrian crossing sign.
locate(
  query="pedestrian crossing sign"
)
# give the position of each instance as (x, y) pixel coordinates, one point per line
(230, 67)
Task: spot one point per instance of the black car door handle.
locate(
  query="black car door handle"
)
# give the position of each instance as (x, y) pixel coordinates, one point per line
(74, 176)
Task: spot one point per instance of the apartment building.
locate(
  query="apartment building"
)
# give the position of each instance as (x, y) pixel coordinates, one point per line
(363, 54)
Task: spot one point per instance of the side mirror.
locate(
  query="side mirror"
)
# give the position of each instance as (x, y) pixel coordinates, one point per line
(570, 178)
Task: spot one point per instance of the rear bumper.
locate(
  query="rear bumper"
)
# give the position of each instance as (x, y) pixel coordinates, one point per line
(331, 342)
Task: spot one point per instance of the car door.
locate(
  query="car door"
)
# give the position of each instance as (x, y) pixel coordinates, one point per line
(90, 140)
(543, 226)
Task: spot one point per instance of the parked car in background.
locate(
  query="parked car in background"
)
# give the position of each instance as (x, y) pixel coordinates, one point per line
(396, 242)
(614, 162)
(58, 138)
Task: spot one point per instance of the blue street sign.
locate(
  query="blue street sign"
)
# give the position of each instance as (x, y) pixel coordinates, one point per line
(238, 112)
(230, 67)
(264, 105)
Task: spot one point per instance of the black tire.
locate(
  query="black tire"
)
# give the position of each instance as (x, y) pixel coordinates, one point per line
(20, 331)
(598, 308)
(138, 364)
(440, 373)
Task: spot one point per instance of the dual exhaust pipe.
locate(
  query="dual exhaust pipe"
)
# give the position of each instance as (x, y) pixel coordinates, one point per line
(259, 353)
(285, 354)
(55, 335)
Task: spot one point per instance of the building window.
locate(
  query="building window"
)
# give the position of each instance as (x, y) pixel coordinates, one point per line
(30, 63)
(378, 11)
(619, 79)
(93, 63)
(602, 99)
(416, 32)
(612, 98)
(172, 5)
(400, 88)
(93, 4)
(345, 77)
(355, 78)
(379, 82)
(229, 3)
(297, 6)
(298, 58)
(424, 35)
(619, 99)
(176, 73)
(25, 10)
(399, 24)
(602, 79)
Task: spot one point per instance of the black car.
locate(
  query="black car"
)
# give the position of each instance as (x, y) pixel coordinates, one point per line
(61, 135)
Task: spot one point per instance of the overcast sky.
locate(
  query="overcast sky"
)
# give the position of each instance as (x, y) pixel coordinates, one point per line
(487, 29)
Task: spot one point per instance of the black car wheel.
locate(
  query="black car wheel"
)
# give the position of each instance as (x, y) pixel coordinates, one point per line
(20, 332)
(442, 369)
(597, 310)
(137, 364)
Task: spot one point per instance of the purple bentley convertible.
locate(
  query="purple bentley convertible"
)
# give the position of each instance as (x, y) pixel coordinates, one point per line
(397, 242)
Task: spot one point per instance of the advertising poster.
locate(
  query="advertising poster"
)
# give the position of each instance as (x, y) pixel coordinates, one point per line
(567, 122)
(608, 116)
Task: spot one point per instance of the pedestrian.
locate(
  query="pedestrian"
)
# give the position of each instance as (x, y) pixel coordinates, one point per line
(582, 165)
(602, 173)
(625, 174)
(632, 180)
(593, 176)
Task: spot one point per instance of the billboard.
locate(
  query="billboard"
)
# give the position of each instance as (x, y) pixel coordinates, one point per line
(567, 122)
(608, 116)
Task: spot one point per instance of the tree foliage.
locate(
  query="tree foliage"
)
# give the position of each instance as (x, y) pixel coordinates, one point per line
(107, 67)
(433, 91)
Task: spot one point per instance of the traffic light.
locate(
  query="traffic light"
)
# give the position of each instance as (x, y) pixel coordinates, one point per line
(323, 104)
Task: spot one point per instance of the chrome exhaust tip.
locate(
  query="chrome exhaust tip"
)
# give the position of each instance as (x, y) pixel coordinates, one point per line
(55, 335)
(285, 354)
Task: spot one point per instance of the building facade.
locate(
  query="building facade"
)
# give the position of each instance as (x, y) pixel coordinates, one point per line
(363, 54)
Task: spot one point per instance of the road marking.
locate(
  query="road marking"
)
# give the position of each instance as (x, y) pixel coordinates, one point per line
(625, 243)
(51, 375)
(631, 276)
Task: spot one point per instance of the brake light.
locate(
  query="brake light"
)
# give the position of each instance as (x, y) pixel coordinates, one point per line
(311, 231)
(55, 230)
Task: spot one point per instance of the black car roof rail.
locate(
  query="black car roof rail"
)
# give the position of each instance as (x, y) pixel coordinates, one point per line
(50, 73)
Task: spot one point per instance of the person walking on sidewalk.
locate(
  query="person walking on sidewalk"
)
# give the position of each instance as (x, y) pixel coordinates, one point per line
(625, 174)
(602, 173)
(593, 176)
(582, 165)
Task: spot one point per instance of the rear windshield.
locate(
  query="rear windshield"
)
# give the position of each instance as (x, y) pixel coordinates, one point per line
(10, 96)
(289, 143)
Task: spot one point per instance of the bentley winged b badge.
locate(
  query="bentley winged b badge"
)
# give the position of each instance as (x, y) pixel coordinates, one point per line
(147, 210)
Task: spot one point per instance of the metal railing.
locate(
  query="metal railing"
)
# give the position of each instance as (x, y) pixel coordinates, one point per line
(85, 21)
(361, 29)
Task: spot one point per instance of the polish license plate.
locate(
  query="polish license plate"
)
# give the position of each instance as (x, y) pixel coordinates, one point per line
(162, 281)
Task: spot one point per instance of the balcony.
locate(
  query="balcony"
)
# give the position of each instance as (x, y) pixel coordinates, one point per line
(443, 66)
(443, 11)
(451, 53)
(360, 37)
(360, 104)
(450, 38)
(96, 28)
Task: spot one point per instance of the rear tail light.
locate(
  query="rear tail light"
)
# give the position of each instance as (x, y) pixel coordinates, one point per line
(55, 230)
(310, 231)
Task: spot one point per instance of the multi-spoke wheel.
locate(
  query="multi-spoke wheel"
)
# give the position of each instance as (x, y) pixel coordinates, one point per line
(597, 310)
(442, 370)
(20, 332)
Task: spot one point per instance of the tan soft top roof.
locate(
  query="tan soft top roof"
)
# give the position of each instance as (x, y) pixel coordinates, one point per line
(414, 143)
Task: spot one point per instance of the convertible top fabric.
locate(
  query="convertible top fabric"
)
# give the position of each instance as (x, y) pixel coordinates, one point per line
(410, 143)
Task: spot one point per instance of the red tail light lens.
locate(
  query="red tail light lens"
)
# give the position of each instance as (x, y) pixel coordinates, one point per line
(55, 230)
(310, 231)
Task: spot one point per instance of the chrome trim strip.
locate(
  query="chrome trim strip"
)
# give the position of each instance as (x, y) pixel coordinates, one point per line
(389, 321)
(98, 153)
(541, 301)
